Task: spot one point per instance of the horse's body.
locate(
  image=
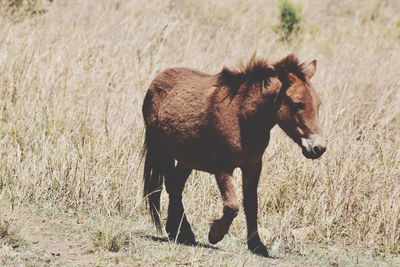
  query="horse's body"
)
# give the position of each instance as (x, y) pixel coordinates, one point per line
(216, 123)
(198, 127)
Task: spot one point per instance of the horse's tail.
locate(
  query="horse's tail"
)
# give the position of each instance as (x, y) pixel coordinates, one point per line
(153, 180)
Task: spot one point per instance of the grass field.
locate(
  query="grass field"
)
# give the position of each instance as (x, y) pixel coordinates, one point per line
(73, 75)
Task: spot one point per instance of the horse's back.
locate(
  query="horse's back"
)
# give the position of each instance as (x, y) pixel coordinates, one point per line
(177, 78)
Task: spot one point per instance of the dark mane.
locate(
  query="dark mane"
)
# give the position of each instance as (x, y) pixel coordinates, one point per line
(258, 70)
(289, 64)
(255, 71)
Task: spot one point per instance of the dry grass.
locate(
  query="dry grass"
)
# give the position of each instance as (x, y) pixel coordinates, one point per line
(9, 234)
(71, 87)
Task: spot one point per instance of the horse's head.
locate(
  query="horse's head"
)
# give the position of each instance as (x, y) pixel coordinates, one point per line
(297, 113)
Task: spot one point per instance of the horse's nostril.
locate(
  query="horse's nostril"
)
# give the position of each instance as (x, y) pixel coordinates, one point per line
(319, 150)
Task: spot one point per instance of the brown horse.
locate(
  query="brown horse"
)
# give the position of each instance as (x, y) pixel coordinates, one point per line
(215, 123)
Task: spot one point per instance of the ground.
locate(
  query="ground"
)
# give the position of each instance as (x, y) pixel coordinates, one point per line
(53, 237)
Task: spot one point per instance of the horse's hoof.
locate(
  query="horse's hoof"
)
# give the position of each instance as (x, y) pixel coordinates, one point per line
(187, 239)
(212, 239)
(185, 236)
(259, 249)
(217, 232)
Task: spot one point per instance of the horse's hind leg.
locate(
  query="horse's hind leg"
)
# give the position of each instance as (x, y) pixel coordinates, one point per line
(231, 208)
(178, 228)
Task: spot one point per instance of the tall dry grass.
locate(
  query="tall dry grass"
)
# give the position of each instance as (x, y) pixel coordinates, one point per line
(71, 87)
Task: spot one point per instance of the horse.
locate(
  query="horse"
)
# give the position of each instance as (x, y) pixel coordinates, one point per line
(216, 123)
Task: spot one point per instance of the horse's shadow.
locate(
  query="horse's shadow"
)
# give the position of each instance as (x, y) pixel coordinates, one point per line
(198, 244)
(167, 240)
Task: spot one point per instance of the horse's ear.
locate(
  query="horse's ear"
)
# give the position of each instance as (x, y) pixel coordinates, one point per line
(310, 69)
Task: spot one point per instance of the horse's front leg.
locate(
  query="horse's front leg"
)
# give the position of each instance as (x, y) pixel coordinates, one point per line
(251, 175)
(231, 208)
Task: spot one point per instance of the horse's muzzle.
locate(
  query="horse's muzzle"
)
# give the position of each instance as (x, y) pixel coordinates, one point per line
(314, 147)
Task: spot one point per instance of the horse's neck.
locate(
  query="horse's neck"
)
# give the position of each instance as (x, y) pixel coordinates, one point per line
(255, 133)
(256, 115)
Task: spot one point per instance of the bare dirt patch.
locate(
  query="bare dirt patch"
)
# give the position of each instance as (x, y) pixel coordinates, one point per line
(59, 239)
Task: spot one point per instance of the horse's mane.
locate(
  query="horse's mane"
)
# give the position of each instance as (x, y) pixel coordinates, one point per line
(258, 70)
(289, 64)
(254, 71)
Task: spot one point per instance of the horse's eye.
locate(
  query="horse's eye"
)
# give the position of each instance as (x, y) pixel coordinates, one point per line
(298, 106)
